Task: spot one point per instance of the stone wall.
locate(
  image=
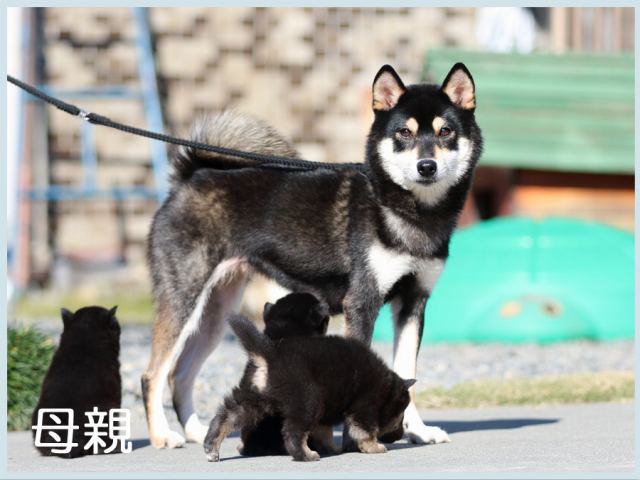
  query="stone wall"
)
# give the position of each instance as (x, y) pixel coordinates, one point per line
(307, 71)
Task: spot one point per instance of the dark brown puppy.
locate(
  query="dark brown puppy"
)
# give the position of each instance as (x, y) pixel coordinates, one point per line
(296, 314)
(84, 373)
(304, 380)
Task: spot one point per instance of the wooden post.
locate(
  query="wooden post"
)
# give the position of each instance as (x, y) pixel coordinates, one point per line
(559, 29)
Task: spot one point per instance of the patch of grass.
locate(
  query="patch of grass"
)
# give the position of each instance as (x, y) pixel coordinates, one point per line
(575, 388)
(28, 355)
(133, 307)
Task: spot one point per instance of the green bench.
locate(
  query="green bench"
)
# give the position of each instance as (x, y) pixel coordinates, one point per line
(570, 112)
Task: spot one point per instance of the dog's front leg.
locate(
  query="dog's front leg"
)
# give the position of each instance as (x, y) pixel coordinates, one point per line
(361, 306)
(408, 315)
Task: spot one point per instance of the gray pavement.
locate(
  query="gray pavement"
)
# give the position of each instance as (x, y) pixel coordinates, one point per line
(565, 438)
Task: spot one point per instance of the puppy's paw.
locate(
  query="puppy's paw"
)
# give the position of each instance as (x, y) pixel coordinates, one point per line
(423, 434)
(372, 447)
(213, 456)
(307, 455)
(311, 456)
(168, 439)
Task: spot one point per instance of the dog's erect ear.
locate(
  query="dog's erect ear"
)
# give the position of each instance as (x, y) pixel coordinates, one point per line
(112, 312)
(66, 315)
(387, 89)
(459, 87)
(267, 308)
(409, 383)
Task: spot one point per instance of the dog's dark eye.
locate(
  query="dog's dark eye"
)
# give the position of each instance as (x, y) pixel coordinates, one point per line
(405, 133)
(444, 132)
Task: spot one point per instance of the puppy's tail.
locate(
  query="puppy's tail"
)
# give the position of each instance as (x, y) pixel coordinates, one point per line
(231, 130)
(250, 337)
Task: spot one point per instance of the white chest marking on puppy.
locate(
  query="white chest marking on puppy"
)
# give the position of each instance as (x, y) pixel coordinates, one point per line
(260, 376)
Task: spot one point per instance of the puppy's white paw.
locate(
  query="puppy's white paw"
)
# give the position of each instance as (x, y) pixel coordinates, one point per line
(168, 439)
(194, 430)
(425, 434)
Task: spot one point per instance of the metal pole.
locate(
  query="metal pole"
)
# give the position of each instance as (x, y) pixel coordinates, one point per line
(153, 110)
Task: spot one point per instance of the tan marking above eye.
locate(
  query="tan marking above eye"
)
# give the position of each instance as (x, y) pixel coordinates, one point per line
(437, 124)
(412, 124)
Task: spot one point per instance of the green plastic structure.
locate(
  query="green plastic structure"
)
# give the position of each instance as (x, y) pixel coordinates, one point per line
(515, 280)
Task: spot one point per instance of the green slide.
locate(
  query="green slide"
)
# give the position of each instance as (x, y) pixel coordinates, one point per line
(514, 280)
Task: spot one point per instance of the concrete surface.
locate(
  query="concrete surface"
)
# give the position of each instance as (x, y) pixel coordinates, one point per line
(566, 438)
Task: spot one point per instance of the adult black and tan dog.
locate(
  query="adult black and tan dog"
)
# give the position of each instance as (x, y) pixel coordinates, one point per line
(353, 240)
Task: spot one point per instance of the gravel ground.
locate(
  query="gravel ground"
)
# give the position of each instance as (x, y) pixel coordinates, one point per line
(438, 365)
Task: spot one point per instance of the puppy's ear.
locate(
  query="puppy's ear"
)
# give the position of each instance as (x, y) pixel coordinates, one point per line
(459, 87)
(267, 308)
(112, 312)
(409, 383)
(66, 315)
(387, 89)
(318, 316)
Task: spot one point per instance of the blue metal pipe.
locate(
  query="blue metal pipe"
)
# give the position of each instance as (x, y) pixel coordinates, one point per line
(153, 110)
(88, 156)
(60, 193)
(109, 91)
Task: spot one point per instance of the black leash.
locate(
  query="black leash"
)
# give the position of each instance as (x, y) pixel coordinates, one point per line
(265, 161)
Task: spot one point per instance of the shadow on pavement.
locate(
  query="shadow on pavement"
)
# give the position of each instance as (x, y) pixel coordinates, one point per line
(499, 424)
(140, 443)
(401, 445)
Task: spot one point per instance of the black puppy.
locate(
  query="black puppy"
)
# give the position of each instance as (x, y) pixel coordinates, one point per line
(296, 314)
(314, 383)
(84, 373)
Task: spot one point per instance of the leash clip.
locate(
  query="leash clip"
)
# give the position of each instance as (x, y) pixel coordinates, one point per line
(83, 114)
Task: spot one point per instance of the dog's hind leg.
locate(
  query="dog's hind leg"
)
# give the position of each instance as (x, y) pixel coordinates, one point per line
(295, 441)
(321, 440)
(228, 282)
(166, 332)
(232, 415)
(408, 315)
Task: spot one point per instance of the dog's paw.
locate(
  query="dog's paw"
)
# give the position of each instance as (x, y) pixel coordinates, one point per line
(195, 432)
(213, 456)
(169, 439)
(373, 447)
(424, 434)
(311, 456)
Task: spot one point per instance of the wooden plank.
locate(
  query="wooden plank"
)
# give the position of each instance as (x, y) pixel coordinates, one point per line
(557, 112)
(559, 29)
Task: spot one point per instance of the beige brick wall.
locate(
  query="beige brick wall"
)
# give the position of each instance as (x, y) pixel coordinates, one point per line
(307, 71)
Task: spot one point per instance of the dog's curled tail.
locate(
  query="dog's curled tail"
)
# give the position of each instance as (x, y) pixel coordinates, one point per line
(231, 130)
(252, 339)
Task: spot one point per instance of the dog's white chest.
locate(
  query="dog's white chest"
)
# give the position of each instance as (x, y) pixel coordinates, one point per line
(388, 266)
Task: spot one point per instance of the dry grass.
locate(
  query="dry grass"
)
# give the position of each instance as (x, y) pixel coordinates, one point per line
(574, 388)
